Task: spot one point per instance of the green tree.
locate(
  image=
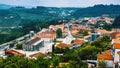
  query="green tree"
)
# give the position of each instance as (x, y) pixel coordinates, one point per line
(85, 33)
(102, 64)
(55, 61)
(59, 33)
(72, 64)
(19, 46)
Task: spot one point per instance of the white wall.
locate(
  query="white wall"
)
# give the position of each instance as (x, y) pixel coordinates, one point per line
(2, 53)
(116, 56)
(109, 63)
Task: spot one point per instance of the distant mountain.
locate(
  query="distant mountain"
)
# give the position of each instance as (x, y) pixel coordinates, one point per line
(17, 15)
(98, 10)
(4, 6)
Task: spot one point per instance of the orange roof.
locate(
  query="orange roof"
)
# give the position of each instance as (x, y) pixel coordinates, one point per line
(46, 34)
(114, 34)
(108, 52)
(14, 52)
(117, 46)
(56, 26)
(64, 31)
(74, 31)
(78, 41)
(63, 45)
(118, 35)
(106, 56)
(103, 31)
(116, 40)
(36, 55)
(86, 36)
(75, 27)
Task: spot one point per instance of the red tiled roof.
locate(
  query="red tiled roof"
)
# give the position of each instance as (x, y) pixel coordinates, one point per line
(14, 52)
(78, 41)
(114, 34)
(64, 31)
(46, 34)
(106, 56)
(63, 45)
(36, 55)
(117, 46)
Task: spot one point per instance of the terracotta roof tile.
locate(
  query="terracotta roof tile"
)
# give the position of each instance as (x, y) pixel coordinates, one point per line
(117, 46)
(78, 41)
(14, 52)
(106, 56)
(36, 55)
(114, 34)
(46, 34)
(63, 45)
(64, 31)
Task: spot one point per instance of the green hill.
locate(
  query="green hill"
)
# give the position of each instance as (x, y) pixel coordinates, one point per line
(98, 10)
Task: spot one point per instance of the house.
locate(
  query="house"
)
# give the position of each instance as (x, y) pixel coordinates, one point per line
(116, 53)
(63, 45)
(111, 57)
(75, 27)
(116, 40)
(2, 53)
(74, 32)
(78, 42)
(87, 38)
(114, 35)
(55, 27)
(33, 45)
(36, 55)
(94, 35)
(107, 57)
(13, 52)
(64, 33)
(48, 36)
(103, 32)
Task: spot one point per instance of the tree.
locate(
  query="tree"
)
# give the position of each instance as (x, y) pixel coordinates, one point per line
(102, 64)
(85, 33)
(105, 39)
(116, 23)
(72, 64)
(55, 61)
(19, 46)
(59, 33)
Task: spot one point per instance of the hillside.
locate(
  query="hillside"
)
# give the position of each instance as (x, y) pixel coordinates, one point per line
(116, 22)
(4, 6)
(17, 15)
(98, 10)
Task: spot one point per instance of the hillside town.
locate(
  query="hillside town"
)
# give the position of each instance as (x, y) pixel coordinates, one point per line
(72, 34)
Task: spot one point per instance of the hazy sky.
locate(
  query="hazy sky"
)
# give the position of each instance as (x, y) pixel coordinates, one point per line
(59, 3)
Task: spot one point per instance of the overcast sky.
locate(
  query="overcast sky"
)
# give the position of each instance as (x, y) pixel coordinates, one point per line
(58, 3)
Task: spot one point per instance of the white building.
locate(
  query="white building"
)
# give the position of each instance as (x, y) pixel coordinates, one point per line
(47, 36)
(116, 53)
(107, 57)
(33, 45)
